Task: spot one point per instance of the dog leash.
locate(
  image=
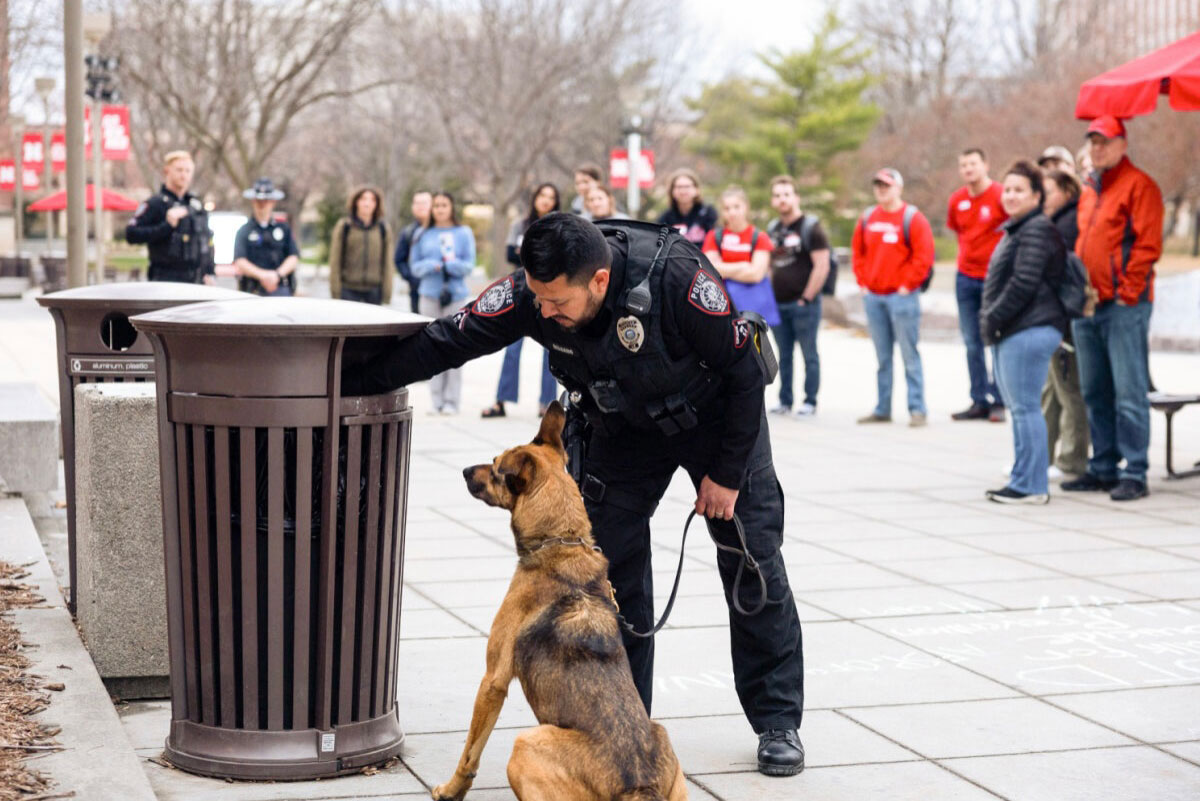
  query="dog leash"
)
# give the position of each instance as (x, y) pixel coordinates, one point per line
(747, 562)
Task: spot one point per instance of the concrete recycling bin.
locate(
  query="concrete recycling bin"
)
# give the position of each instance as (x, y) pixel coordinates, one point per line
(283, 518)
(96, 344)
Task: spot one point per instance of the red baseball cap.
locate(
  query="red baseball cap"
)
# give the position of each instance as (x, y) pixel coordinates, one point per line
(888, 176)
(1107, 126)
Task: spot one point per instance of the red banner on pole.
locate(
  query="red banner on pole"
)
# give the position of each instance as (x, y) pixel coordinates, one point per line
(618, 169)
(58, 151)
(33, 151)
(114, 132)
(8, 174)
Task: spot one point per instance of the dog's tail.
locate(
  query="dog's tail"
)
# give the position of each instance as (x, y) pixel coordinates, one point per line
(640, 794)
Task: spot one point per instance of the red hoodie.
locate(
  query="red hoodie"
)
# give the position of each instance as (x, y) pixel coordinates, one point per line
(883, 261)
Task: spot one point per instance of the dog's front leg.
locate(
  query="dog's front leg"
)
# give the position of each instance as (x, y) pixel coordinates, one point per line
(488, 702)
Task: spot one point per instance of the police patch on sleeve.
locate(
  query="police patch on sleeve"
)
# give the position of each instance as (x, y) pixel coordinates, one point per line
(707, 295)
(496, 299)
(742, 331)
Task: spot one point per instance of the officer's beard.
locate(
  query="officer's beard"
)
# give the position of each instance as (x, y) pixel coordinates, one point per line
(594, 303)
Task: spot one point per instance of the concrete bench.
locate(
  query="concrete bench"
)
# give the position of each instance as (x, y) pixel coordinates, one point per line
(28, 439)
(1169, 405)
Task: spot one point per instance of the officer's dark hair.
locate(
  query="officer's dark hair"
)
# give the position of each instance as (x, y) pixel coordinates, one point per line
(977, 150)
(533, 213)
(352, 206)
(1027, 169)
(564, 244)
(453, 208)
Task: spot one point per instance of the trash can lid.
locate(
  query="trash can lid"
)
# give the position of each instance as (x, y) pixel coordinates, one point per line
(282, 317)
(138, 295)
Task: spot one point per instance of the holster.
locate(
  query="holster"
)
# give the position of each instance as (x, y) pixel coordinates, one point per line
(764, 354)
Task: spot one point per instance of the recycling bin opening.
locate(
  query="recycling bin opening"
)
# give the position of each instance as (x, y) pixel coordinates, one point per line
(116, 333)
(283, 514)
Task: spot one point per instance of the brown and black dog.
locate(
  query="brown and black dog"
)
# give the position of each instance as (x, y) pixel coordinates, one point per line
(556, 632)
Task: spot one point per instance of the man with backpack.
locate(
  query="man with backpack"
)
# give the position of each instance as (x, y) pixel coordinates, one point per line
(800, 267)
(892, 250)
(422, 206)
(667, 374)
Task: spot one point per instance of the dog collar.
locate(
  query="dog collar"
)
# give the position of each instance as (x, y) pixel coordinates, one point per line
(556, 541)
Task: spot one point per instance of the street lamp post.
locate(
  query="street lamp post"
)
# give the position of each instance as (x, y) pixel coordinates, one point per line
(18, 125)
(45, 87)
(633, 150)
(100, 88)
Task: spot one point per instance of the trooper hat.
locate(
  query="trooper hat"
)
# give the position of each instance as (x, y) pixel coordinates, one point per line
(889, 176)
(263, 189)
(1057, 153)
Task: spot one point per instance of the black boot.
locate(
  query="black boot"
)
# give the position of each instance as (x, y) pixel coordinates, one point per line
(780, 752)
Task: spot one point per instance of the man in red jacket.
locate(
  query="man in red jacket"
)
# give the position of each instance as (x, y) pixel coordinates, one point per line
(975, 214)
(1120, 239)
(892, 250)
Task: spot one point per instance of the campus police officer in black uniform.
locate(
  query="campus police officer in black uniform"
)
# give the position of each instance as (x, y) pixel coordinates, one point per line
(668, 375)
(174, 224)
(264, 253)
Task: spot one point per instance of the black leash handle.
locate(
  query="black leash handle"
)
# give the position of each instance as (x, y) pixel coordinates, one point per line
(747, 561)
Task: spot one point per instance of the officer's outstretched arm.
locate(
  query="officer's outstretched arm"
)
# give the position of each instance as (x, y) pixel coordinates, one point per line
(502, 314)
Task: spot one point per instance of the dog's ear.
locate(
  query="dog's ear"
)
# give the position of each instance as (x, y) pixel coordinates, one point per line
(517, 467)
(552, 427)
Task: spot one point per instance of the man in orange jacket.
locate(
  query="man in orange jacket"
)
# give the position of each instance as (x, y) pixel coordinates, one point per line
(1120, 239)
(893, 254)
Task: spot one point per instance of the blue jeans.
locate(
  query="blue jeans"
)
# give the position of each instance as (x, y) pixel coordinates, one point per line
(969, 292)
(896, 319)
(798, 324)
(1112, 348)
(510, 376)
(1022, 364)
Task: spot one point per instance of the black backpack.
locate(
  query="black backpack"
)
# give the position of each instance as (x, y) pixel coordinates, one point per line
(1074, 289)
(910, 211)
(806, 229)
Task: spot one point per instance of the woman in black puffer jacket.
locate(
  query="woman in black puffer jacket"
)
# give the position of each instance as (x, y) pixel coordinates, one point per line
(1023, 320)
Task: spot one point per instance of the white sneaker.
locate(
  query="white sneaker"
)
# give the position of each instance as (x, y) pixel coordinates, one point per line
(1053, 473)
(805, 411)
(780, 409)
(449, 410)
(433, 411)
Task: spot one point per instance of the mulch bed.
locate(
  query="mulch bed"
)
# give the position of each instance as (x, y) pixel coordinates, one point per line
(22, 696)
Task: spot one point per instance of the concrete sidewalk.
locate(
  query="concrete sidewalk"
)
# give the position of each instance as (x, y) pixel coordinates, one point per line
(956, 649)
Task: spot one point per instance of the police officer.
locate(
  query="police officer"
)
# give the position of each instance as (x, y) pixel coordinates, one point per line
(174, 224)
(641, 331)
(264, 253)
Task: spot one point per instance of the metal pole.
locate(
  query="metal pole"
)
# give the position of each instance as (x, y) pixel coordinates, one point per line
(98, 188)
(18, 125)
(44, 87)
(76, 180)
(634, 149)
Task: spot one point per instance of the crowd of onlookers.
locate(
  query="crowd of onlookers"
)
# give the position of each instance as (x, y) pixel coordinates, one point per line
(1071, 381)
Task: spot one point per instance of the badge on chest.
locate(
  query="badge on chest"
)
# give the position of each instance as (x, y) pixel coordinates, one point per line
(630, 333)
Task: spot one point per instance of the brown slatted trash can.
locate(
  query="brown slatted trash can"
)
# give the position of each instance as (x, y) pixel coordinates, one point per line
(283, 513)
(96, 344)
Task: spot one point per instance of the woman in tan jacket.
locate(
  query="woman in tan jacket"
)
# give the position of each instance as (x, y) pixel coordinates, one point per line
(360, 252)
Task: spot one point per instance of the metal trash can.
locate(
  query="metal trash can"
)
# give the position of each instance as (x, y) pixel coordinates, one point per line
(96, 344)
(283, 513)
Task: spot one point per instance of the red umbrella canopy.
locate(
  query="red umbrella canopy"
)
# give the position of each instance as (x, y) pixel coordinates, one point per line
(1133, 88)
(113, 201)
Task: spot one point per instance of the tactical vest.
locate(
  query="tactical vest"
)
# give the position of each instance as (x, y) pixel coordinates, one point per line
(635, 385)
(191, 240)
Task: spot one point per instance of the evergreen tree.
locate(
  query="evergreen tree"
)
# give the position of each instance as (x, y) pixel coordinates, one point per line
(810, 109)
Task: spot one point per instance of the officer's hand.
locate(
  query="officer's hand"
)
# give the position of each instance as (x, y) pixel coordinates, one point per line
(715, 501)
(175, 214)
(269, 280)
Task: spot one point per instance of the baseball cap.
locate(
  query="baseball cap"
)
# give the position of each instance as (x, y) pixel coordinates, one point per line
(1057, 153)
(889, 176)
(1107, 126)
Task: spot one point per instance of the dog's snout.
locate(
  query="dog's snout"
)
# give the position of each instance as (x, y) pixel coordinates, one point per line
(467, 472)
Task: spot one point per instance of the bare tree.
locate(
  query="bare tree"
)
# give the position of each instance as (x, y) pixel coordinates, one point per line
(227, 78)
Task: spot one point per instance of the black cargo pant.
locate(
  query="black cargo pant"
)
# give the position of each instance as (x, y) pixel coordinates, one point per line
(635, 469)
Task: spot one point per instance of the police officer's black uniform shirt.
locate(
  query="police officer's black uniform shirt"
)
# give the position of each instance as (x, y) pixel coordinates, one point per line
(697, 317)
(265, 246)
(171, 258)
